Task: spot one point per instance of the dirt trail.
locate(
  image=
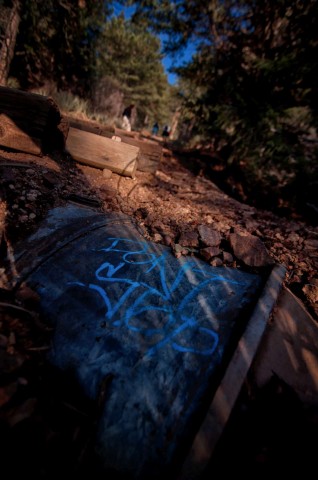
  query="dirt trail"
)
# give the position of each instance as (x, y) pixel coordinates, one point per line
(41, 425)
(169, 206)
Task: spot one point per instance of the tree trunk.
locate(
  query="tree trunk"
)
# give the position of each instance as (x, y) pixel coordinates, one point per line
(8, 43)
(174, 123)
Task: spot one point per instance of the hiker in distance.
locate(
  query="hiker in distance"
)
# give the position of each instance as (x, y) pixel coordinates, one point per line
(166, 131)
(155, 129)
(128, 115)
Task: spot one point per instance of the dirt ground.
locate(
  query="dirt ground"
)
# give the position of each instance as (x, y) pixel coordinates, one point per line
(169, 206)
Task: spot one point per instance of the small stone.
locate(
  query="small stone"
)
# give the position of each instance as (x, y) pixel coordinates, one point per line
(157, 237)
(216, 262)
(208, 219)
(294, 238)
(189, 239)
(32, 216)
(209, 236)
(228, 257)
(167, 240)
(279, 237)
(209, 252)
(159, 226)
(311, 292)
(31, 197)
(177, 248)
(250, 250)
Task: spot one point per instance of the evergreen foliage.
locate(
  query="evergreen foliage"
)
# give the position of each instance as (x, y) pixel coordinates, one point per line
(56, 42)
(251, 89)
(81, 47)
(249, 92)
(129, 54)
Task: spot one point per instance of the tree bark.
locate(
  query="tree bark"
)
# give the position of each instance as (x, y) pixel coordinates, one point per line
(174, 123)
(8, 43)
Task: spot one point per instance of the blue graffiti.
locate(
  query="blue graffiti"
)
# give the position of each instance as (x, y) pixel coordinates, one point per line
(140, 297)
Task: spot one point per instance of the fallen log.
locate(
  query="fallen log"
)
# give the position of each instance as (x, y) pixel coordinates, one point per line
(30, 122)
(150, 153)
(101, 152)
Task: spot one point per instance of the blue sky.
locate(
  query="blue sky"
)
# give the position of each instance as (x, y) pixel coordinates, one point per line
(167, 63)
(176, 61)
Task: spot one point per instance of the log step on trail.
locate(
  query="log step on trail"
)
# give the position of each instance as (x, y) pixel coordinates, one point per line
(30, 122)
(150, 153)
(102, 152)
(33, 123)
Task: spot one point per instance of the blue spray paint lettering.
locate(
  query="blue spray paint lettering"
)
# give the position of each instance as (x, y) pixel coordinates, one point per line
(140, 297)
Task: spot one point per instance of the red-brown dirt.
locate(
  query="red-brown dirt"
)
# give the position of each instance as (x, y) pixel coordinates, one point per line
(40, 426)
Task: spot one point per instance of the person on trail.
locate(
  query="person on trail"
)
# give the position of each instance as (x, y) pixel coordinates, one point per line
(166, 131)
(155, 129)
(127, 117)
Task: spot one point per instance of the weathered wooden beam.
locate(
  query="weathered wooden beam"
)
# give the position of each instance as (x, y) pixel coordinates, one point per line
(150, 153)
(91, 126)
(226, 395)
(30, 122)
(126, 133)
(101, 152)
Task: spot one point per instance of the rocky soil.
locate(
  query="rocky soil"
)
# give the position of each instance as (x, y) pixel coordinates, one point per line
(174, 207)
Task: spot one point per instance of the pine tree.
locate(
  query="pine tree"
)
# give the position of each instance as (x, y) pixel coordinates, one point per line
(131, 55)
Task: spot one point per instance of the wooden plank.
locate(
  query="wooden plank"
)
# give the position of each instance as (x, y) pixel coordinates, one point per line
(228, 391)
(91, 126)
(30, 122)
(132, 134)
(150, 153)
(101, 152)
(295, 329)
